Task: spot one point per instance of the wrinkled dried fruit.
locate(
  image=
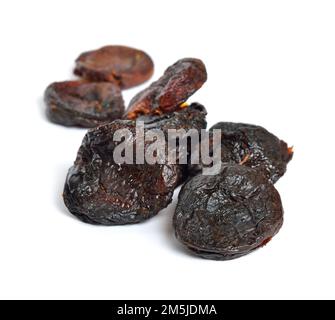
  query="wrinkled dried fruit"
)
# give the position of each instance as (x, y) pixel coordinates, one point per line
(99, 190)
(168, 94)
(76, 103)
(255, 147)
(125, 66)
(228, 215)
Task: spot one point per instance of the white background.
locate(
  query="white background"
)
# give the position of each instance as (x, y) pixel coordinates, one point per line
(269, 62)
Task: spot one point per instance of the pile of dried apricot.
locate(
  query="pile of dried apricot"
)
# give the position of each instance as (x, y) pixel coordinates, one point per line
(219, 216)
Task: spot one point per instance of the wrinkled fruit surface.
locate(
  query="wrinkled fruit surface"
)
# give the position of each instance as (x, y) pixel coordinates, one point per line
(128, 67)
(253, 146)
(228, 215)
(167, 94)
(100, 191)
(83, 104)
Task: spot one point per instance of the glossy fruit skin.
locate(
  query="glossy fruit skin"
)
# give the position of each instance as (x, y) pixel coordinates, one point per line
(252, 146)
(125, 66)
(167, 94)
(83, 104)
(100, 191)
(228, 215)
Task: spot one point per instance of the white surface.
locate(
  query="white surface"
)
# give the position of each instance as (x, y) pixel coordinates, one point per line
(269, 62)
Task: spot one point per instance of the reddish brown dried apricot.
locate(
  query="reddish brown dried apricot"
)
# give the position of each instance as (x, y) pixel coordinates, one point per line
(128, 67)
(178, 83)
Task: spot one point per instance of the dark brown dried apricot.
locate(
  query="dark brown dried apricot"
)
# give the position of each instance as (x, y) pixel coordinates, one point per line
(128, 67)
(228, 215)
(83, 104)
(101, 190)
(252, 146)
